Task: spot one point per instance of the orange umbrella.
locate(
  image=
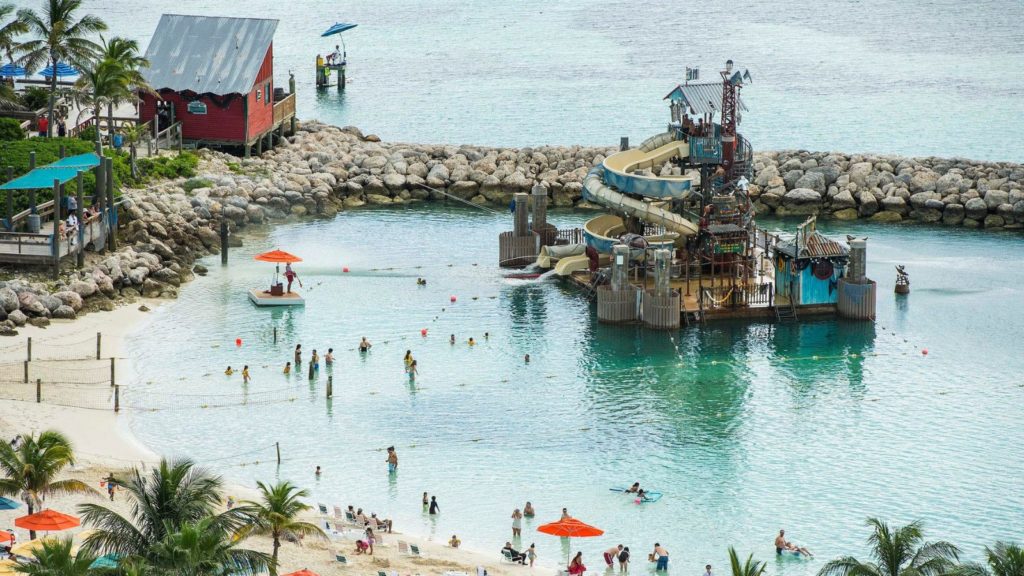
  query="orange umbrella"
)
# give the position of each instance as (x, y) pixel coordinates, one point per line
(46, 521)
(277, 256)
(5, 536)
(303, 572)
(570, 528)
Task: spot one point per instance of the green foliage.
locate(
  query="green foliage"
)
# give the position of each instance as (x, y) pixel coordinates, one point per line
(194, 183)
(35, 98)
(88, 134)
(277, 516)
(235, 167)
(54, 557)
(896, 551)
(180, 166)
(10, 129)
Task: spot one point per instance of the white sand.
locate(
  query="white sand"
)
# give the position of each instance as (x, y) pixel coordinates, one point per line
(103, 443)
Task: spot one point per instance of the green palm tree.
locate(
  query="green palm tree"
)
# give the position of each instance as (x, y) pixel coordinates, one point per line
(897, 551)
(749, 568)
(170, 496)
(99, 85)
(1004, 559)
(204, 548)
(277, 516)
(124, 53)
(31, 471)
(10, 29)
(54, 558)
(60, 37)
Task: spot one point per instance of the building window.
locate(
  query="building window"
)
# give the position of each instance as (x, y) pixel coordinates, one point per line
(270, 97)
(259, 94)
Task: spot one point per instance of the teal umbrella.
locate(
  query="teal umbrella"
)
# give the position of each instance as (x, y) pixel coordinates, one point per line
(107, 561)
(8, 504)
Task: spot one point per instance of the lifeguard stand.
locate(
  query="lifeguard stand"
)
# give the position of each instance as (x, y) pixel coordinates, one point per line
(338, 67)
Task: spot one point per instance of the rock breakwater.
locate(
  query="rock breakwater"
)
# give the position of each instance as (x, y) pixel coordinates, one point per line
(325, 169)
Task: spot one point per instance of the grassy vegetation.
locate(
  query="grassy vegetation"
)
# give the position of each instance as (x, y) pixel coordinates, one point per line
(16, 155)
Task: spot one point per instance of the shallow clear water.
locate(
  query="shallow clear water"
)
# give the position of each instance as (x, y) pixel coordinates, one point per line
(917, 77)
(746, 428)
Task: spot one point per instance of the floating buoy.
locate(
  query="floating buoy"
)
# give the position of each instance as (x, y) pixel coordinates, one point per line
(452, 299)
(924, 352)
(238, 341)
(423, 332)
(345, 269)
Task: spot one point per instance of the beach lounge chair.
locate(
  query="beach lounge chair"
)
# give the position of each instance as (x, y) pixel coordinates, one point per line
(338, 516)
(323, 509)
(381, 573)
(414, 550)
(507, 556)
(403, 547)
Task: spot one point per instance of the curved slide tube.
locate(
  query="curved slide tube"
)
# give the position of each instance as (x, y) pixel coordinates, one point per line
(620, 168)
(595, 189)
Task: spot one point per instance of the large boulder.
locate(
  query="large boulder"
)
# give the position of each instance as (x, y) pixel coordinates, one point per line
(859, 173)
(993, 198)
(792, 177)
(70, 299)
(18, 317)
(843, 200)
(829, 171)
(64, 312)
(953, 214)
(465, 189)
(83, 288)
(894, 204)
(813, 180)
(167, 276)
(765, 175)
(868, 203)
(30, 304)
(976, 209)
(923, 181)
(8, 299)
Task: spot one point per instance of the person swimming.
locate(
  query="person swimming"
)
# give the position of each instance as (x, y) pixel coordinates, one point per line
(364, 345)
(451, 339)
(408, 359)
(245, 374)
(229, 371)
(783, 545)
(471, 341)
(635, 488)
(287, 367)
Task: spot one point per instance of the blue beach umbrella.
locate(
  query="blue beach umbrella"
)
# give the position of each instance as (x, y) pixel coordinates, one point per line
(338, 29)
(62, 70)
(11, 70)
(8, 504)
(106, 561)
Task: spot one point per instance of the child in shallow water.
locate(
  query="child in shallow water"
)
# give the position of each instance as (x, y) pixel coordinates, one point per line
(229, 371)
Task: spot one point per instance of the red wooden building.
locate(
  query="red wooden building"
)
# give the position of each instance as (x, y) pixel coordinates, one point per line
(215, 75)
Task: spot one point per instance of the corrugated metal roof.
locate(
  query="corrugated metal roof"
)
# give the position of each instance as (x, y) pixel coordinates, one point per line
(818, 246)
(702, 98)
(207, 54)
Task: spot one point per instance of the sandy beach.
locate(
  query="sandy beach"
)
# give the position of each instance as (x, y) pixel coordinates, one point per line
(104, 443)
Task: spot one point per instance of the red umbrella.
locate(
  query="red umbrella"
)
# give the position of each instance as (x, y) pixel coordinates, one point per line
(570, 528)
(6, 536)
(277, 256)
(303, 572)
(47, 521)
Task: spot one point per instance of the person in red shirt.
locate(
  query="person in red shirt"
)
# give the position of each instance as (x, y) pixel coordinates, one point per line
(43, 124)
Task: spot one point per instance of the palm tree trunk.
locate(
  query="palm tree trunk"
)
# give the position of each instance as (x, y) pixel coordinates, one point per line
(53, 95)
(131, 161)
(96, 124)
(31, 509)
(110, 122)
(273, 558)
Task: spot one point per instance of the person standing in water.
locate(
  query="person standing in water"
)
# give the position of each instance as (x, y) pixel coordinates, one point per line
(413, 372)
(426, 502)
(364, 345)
(329, 358)
(298, 354)
(528, 510)
(434, 508)
(408, 359)
(287, 367)
(314, 360)
(245, 374)
(392, 460)
(517, 523)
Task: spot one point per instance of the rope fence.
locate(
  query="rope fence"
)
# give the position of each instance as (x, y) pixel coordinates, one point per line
(60, 348)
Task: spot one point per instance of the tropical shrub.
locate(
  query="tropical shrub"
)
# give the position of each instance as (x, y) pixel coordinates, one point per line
(10, 129)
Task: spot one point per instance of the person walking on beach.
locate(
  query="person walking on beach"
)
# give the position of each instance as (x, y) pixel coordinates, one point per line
(245, 374)
(517, 523)
(624, 560)
(298, 354)
(392, 460)
(611, 554)
(434, 508)
(111, 485)
(576, 567)
(660, 555)
(531, 554)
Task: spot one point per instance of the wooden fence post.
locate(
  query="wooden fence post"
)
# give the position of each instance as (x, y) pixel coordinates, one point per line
(29, 346)
(26, 372)
(112, 380)
(80, 197)
(330, 387)
(117, 398)
(99, 344)
(39, 390)
(277, 445)
(56, 228)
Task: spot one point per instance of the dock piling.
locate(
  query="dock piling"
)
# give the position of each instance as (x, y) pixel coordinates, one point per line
(109, 183)
(223, 242)
(277, 446)
(330, 387)
(56, 228)
(624, 143)
(80, 197)
(521, 226)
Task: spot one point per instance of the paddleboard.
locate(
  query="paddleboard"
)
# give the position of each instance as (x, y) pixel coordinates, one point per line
(649, 497)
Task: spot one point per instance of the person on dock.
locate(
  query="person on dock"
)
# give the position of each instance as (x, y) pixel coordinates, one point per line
(245, 374)
(287, 367)
(42, 125)
(298, 354)
(434, 508)
(336, 57)
(364, 345)
(660, 555)
(528, 510)
(624, 560)
(290, 275)
(329, 358)
(576, 567)
(781, 544)
(517, 523)
(229, 371)
(72, 228)
(392, 460)
(611, 554)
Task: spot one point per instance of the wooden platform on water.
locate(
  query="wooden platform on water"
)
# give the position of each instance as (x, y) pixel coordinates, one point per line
(265, 298)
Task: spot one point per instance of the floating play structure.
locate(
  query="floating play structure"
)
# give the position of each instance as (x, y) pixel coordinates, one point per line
(680, 244)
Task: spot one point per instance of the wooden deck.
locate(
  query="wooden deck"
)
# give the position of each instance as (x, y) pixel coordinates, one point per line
(38, 248)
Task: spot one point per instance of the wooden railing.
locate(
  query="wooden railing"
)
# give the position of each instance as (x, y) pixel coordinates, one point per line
(284, 108)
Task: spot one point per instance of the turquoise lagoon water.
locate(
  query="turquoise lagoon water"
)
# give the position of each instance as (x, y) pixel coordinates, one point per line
(745, 427)
(915, 77)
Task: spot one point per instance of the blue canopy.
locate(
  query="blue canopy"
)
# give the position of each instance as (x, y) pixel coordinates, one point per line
(62, 70)
(105, 561)
(11, 70)
(338, 29)
(64, 170)
(8, 504)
